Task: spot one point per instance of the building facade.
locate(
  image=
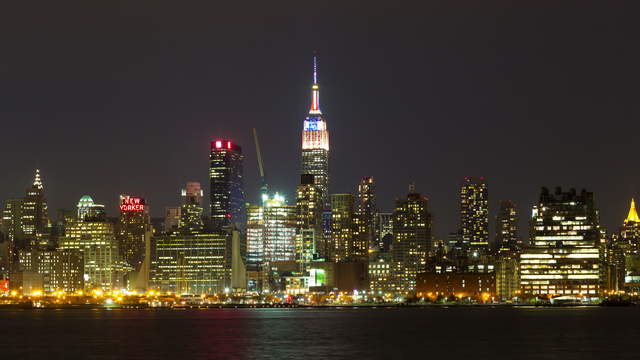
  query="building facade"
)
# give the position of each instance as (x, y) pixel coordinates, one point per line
(191, 211)
(474, 214)
(271, 231)
(310, 242)
(346, 242)
(315, 142)
(192, 264)
(368, 212)
(411, 237)
(61, 270)
(227, 185)
(35, 219)
(563, 256)
(507, 227)
(95, 238)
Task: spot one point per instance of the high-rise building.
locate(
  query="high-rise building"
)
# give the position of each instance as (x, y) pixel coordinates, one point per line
(309, 240)
(191, 210)
(88, 210)
(132, 230)
(61, 270)
(271, 231)
(507, 227)
(385, 231)
(368, 212)
(227, 189)
(315, 142)
(190, 263)
(411, 237)
(620, 251)
(346, 242)
(474, 214)
(35, 220)
(12, 230)
(507, 275)
(563, 255)
(630, 230)
(95, 238)
(171, 218)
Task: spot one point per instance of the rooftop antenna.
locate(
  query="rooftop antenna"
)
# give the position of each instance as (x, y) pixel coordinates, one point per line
(264, 188)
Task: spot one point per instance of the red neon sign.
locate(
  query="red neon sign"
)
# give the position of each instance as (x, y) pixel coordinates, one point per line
(218, 144)
(4, 285)
(132, 204)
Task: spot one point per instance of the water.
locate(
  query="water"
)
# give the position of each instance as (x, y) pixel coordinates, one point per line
(425, 333)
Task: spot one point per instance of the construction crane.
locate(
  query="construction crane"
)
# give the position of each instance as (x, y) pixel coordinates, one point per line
(264, 188)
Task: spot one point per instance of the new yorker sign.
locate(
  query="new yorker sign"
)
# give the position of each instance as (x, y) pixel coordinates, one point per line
(128, 203)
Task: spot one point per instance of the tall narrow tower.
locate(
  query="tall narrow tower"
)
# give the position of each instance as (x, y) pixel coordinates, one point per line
(227, 187)
(315, 142)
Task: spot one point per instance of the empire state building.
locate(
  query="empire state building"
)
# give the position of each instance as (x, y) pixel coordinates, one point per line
(315, 142)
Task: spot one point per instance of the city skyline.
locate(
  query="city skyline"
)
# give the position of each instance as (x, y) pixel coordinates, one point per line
(416, 82)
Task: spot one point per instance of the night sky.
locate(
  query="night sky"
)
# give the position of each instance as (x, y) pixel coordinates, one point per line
(124, 98)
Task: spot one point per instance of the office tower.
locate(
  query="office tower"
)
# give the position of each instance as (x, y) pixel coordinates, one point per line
(474, 214)
(271, 231)
(385, 231)
(507, 275)
(563, 255)
(368, 212)
(315, 142)
(227, 189)
(12, 230)
(191, 210)
(131, 230)
(620, 251)
(189, 263)
(90, 211)
(171, 218)
(95, 238)
(411, 237)
(346, 242)
(309, 240)
(35, 220)
(60, 270)
(630, 230)
(507, 227)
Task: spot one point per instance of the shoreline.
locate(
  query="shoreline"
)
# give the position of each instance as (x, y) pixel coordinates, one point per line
(292, 306)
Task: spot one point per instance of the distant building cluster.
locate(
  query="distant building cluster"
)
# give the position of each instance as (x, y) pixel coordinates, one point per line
(319, 243)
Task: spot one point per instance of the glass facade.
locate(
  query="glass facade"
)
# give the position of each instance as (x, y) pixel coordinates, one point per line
(227, 185)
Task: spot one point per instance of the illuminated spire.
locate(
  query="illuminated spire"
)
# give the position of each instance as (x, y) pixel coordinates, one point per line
(633, 215)
(315, 89)
(37, 182)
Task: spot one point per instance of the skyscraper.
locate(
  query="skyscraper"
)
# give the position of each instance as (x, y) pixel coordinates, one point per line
(35, 220)
(271, 231)
(507, 227)
(12, 230)
(563, 255)
(191, 210)
(227, 189)
(368, 212)
(346, 244)
(630, 230)
(95, 238)
(309, 239)
(474, 214)
(131, 230)
(315, 142)
(411, 237)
